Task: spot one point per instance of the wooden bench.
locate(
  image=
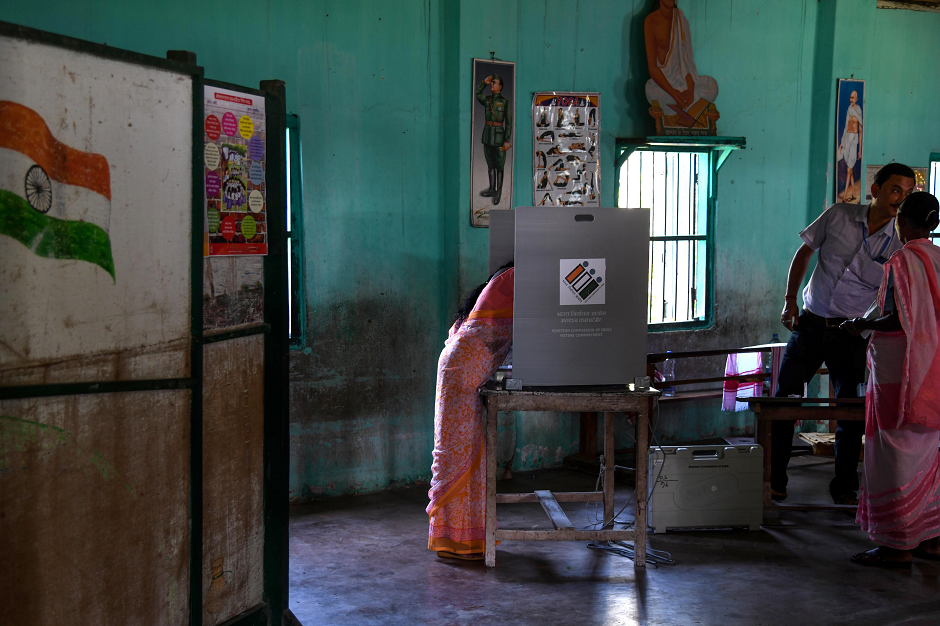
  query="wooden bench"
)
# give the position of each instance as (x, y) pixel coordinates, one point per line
(767, 410)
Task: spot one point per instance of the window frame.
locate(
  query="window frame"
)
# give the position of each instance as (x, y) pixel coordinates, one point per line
(933, 183)
(716, 150)
(295, 232)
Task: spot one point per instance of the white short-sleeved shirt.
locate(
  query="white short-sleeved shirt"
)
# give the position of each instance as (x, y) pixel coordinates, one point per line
(847, 275)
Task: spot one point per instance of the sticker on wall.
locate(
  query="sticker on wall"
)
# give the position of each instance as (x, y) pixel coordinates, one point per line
(566, 155)
(491, 158)
(582, 281)
(235, 136)
(850, 179)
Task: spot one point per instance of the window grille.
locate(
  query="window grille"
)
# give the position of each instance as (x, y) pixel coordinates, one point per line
(295, 282)
(675, 187)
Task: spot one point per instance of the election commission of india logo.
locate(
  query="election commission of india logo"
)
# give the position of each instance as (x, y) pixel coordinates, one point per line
(582, 281)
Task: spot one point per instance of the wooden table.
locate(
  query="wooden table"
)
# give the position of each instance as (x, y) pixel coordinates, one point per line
(767, 410)
(570, 399)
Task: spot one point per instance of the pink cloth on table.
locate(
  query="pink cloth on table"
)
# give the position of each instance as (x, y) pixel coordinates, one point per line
(741, 365)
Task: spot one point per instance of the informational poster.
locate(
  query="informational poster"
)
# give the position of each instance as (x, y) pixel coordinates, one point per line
(566, 128)
(234, 168)
(850, 139)
(491, 162)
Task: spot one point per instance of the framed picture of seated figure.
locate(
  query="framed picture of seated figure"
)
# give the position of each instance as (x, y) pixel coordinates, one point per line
(850, 139)
(493, 119)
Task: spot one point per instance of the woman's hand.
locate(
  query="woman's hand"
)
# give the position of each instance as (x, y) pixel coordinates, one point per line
(852, 325)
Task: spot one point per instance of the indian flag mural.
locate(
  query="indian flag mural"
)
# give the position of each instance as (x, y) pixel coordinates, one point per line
(54, 199)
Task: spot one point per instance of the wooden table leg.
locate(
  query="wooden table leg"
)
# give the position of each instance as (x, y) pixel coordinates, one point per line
(642, 478)
(489, 554)
(587, 436)
(609, 468)
(762, 437)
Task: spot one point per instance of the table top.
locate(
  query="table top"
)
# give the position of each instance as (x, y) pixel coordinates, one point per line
(604, 391)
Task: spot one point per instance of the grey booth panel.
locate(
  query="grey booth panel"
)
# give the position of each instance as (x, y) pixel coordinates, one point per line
(580, 311)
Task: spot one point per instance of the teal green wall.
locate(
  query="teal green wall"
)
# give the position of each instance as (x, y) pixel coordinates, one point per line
(384, 95)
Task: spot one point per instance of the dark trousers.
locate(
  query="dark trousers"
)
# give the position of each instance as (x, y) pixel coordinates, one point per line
(811, 343)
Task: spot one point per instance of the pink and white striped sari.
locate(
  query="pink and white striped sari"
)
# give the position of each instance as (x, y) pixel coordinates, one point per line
(472, 353)
(900, 502)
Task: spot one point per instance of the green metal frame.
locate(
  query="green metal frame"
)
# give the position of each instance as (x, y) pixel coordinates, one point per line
(717, 149)
(276, 363)
(934, 158)
(296, 234)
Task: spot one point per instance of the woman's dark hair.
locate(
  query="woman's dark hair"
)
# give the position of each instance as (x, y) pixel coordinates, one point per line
(922, 210)
(893, 169)
(470, 300)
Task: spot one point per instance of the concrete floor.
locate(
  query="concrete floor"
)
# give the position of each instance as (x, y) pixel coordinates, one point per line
(364, 560)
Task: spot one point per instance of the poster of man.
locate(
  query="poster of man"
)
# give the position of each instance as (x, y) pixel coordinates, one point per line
(491, 166)
(850, 180)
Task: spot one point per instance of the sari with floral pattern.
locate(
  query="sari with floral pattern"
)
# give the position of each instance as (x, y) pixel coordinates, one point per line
(471, 355)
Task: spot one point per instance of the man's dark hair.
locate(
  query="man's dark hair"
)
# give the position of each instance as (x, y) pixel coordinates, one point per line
(892, 169)
(922, 210)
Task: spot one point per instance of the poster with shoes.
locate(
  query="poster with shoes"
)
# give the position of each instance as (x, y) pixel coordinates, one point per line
(566, 154)
(491, 162)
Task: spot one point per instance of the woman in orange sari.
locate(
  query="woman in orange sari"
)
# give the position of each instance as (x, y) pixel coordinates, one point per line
(900, 502)
(477, 345)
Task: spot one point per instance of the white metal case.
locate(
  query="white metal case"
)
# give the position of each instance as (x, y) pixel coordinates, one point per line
(705, 486)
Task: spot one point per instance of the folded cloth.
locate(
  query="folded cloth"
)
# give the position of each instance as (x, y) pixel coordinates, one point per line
(741, 365)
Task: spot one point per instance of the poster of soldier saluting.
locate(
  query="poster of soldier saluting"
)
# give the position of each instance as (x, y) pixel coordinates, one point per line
(494, 102)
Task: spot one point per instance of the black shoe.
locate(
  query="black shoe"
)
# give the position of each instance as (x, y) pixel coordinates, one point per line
(499, 188)
(778, 496)
(848, 498)
(486, 193)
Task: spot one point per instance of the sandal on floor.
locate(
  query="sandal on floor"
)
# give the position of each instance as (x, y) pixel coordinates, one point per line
(921, 553)
(874, 559)
(472, 556)
(778, 496)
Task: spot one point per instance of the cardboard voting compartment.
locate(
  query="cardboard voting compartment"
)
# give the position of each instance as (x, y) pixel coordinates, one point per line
(502, 233)
(580, 310)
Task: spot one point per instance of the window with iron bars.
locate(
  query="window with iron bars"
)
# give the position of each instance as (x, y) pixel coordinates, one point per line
(676, 187)
(295, 281)
(934, 184)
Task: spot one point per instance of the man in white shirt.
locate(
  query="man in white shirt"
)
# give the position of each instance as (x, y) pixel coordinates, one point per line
(853, 241)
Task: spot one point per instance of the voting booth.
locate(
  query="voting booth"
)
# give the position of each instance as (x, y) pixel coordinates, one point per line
(581, 274)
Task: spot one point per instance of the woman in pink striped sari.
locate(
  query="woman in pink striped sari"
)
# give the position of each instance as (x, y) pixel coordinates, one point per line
(900, 502)
(477, 345)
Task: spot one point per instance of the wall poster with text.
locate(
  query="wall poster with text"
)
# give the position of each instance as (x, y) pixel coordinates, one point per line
(494, 113)
(566, 128)
(850, 135)
(234, 167)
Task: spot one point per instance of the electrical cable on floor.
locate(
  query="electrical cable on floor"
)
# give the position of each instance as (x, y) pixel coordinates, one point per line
(654, 558)
(621, 548)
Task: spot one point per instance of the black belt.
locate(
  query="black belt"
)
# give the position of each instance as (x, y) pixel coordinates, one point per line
(828, 322)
